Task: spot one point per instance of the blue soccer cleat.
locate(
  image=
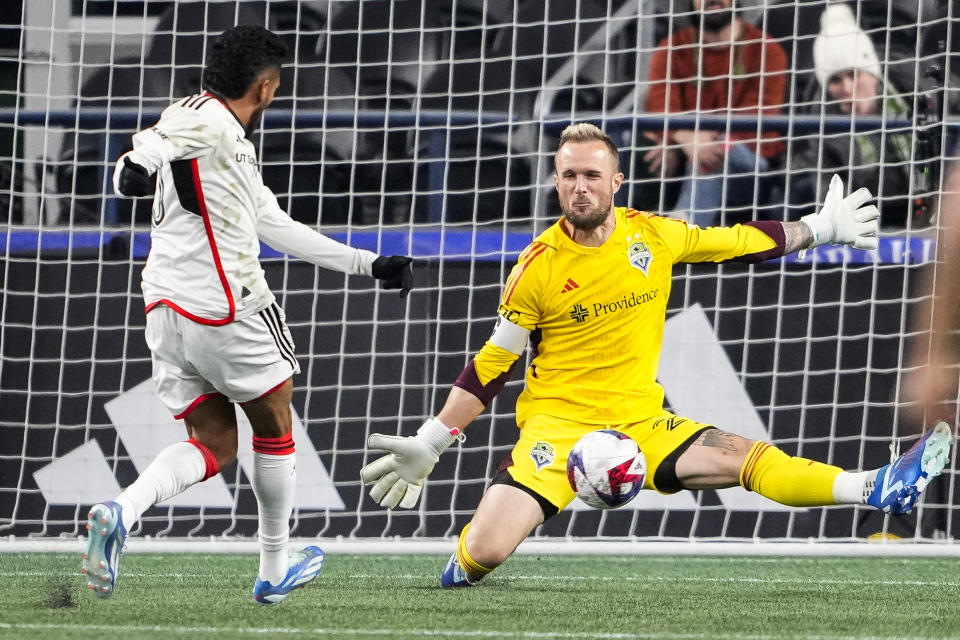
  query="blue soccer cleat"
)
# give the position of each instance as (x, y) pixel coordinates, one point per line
(453, 574)
(105, 542)
(304, 567)
(899, 484)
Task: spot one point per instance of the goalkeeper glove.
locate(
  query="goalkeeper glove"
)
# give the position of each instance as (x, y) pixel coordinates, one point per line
(395, 271)
(843, 220)
(397, 477)
(134, 180)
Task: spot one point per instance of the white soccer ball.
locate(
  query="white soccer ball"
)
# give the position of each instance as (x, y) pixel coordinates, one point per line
(606, 468)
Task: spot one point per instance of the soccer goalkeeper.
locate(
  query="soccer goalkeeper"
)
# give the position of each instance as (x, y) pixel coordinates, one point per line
(589, 296)
(215, 331)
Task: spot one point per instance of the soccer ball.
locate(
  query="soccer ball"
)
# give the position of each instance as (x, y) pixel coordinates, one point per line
(606, 468)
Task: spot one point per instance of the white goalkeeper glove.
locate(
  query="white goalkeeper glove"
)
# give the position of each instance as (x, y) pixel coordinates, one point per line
(397, 477)
(843, 220)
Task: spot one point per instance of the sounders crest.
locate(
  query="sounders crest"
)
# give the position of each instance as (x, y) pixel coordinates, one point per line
(639, 253)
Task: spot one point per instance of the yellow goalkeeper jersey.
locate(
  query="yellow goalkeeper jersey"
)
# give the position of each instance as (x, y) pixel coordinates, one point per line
(596, 314)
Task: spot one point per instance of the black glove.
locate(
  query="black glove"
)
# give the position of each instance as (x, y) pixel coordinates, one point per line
(395, 271)
(135, 182)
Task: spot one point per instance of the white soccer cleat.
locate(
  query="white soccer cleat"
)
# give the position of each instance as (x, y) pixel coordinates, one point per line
(106, 537)
(453, 574)
(899, 484)
(304, 567)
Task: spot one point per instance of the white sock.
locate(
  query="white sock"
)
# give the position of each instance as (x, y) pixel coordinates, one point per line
(174, 470)
(854, 487)
(274, 482)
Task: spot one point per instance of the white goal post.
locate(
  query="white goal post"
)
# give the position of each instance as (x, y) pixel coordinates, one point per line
(427, 127)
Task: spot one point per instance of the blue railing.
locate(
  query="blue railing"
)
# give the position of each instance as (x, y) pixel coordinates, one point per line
(448, 244)
(129, 119)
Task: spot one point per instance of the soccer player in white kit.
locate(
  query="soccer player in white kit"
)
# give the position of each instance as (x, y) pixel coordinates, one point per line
(215, 332)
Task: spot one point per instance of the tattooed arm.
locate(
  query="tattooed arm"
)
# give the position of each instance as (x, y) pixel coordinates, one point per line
(798, 236)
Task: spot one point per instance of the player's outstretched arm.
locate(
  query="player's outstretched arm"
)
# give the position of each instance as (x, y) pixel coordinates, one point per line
(398, 476)
(286, 235)
(841, 220)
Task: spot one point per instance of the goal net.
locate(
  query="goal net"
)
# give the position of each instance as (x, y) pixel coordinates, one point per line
(427, 128)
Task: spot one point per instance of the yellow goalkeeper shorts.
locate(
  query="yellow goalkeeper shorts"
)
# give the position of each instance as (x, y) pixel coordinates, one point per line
(539, 459)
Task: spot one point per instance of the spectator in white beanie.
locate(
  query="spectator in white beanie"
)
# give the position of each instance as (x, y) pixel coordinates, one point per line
(884, 159)
(846, 63)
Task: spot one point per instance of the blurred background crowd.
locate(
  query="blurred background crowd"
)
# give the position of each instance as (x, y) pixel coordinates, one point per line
(420, 111)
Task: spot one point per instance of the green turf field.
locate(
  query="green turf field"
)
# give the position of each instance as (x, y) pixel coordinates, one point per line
(546, 597)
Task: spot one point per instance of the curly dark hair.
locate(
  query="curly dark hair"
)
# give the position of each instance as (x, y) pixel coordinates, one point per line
(238, 56)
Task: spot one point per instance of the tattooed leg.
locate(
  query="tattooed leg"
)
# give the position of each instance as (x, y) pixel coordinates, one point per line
(718, 459)
(713, 461)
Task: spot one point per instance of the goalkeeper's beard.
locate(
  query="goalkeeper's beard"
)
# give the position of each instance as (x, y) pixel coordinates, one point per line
(590, 218)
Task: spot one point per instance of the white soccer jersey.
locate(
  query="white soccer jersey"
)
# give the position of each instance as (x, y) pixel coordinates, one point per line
(210, 211)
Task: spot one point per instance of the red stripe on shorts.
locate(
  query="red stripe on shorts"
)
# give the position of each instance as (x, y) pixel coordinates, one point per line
(266, 393)
(193, 405)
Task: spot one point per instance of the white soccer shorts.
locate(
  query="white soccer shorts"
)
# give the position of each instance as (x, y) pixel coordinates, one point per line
(242, 360)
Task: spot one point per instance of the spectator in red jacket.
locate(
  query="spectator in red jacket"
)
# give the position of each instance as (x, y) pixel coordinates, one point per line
(692, 72)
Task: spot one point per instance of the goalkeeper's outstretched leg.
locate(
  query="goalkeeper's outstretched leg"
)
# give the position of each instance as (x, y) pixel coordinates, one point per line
(799, 482)
(709, 459)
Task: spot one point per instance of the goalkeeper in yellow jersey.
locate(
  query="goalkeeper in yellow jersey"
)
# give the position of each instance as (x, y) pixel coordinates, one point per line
(589, 297)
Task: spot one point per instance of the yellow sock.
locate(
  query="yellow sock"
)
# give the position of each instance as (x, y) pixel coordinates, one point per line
(795, 482)
(473, 570)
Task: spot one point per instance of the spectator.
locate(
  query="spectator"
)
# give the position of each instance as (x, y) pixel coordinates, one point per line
(692, 71)
(851, 83)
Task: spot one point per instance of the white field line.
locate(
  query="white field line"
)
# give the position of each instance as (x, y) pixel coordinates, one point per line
(426, 633)
(691, 579)
(397, 546)
(552, 578)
